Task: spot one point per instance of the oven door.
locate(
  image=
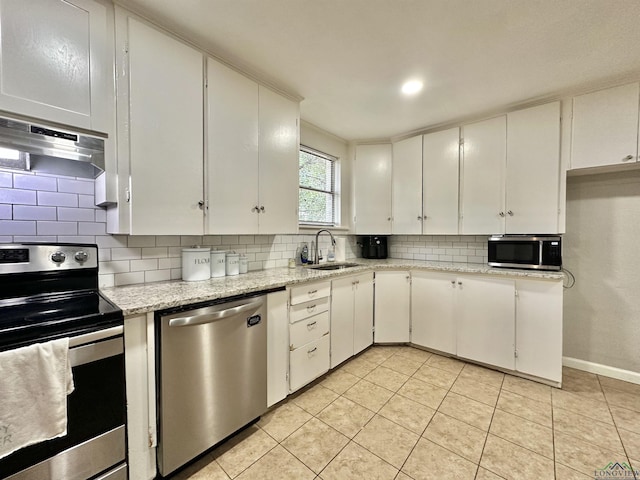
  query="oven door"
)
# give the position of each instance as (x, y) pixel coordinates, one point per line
(95, 440)
(514, 253)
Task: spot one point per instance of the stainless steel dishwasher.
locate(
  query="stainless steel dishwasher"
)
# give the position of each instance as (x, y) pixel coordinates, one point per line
(212, 374)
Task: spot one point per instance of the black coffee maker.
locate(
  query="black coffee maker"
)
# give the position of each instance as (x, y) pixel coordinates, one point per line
(373, 246)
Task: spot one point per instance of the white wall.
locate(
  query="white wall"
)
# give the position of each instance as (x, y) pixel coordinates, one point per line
(602, 310)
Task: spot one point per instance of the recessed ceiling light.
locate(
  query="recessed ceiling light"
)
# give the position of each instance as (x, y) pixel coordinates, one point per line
(412, 87)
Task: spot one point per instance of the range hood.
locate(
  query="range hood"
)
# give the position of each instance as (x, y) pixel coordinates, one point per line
(27, 146)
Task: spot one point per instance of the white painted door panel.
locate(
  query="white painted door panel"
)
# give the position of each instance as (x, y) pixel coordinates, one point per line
(441, 161)
(485, 312)
(407, 186)
(232, 151)
(372, 174)
(483, 176)
(308, 330)
(277, 347)
(605, 127)
(432, 311)
(363, 313)
(342, 316)
(533, 169)
(392, 307)
(308, 362)
(166, 133)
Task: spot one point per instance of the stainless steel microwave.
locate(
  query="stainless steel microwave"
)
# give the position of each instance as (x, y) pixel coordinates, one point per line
(539, 252)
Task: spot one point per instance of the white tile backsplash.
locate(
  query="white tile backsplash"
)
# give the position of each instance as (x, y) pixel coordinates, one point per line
(444, 248)
(57, 199)
(17, 197)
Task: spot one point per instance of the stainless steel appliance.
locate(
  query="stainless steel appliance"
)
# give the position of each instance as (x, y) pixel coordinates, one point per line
(49, 292)
(373, 246)
(212, 374)
(539, 252)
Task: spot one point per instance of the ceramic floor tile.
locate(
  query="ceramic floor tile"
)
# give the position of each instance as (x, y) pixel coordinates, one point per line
(532, 410)
(356, 463)
(315, 444)
(283, 421)
(423, 392)
(566, 473)
(315, 399)
(631, 443)
(429, 461)
(592, 431)
(403, 476)
(583, 456)
(527, 388)
(522, 432)
(627, 419)
(586, 386)
(387, 378)
(445, 363)
(469, 411)
(377, 354)
(622, 398)
(238, 453)
(457, 436)
(368, 395)
(482, 375)
(435, 376)
(359, 367)
(387, 440)
(204, 469)
(484, 474)
(340, 381)
(280, 464)
(616, 384)
(582, 405)
(414, 353)
(402, 364)
(407, 413)
(514, 462)
(346, 416)
(481, 392)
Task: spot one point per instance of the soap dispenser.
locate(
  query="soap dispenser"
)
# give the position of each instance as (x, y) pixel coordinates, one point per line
(304, 254)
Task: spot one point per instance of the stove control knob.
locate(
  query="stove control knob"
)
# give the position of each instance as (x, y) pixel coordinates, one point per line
(58, 257)
(81, 256)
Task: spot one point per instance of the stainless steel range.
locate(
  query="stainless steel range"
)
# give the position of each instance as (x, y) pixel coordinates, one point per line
(49, 292)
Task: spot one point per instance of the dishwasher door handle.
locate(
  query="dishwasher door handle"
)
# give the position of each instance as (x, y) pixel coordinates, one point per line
(205, 318)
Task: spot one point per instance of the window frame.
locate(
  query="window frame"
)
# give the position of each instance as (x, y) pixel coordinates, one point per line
(335, 194)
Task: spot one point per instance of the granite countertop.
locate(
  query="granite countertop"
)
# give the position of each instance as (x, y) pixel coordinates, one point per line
(148, 297)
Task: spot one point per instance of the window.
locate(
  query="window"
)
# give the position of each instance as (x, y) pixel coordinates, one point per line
(317, 194)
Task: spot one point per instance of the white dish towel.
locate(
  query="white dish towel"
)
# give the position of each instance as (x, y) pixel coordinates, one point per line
(34, 384)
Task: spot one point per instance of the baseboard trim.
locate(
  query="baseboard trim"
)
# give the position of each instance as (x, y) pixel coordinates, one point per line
(605, 370)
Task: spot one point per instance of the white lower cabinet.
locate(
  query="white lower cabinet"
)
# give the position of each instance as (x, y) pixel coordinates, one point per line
(351, 316)
(277, 347)
(392, 307)
(308, 362)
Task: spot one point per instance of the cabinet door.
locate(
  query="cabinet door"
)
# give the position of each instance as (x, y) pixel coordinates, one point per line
(166, 133)
(485, 310)
(277, 347)
(432, 318)
(441, 160)
(391, 311)
(483, 176)
(308, 362)
(342, 311)
(533, 169)
(232, 151)
(278, 147)
(54, 61)
(372, 174)
(407, 186)
(363, 313)
(605, 127)
(539, 328)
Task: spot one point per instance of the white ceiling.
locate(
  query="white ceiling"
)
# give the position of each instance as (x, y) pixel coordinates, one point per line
(348, 58)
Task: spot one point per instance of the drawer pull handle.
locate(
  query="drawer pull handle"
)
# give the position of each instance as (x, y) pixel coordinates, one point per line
(309, 352)
(310, 308)
(313, 292)
(311, 325)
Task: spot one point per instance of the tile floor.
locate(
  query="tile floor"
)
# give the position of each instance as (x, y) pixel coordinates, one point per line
(396, 412)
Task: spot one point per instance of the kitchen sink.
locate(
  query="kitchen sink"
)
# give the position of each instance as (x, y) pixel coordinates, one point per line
(329, 266)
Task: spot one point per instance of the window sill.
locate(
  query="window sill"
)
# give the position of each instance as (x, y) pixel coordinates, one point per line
(303, 228)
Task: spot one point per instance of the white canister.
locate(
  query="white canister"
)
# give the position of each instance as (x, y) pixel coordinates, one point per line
(218, 263)
(232, 264)
(244, 264)
(196, 264)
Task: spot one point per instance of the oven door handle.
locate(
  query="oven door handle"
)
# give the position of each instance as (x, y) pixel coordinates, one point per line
(97, 350)
(205, 318)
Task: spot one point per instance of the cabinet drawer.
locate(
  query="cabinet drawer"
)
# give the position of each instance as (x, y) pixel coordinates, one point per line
(307, 309)
(308, 362)
(310, 291)
(308, 330)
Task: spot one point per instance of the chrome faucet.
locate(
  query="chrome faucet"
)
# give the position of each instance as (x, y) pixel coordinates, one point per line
(333, 243)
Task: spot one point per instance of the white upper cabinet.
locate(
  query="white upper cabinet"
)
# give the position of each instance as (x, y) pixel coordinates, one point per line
(165, 115)
(54, 61)
(440, 154)
(605, 127)
(483, 176)
(372, 174)
(533, 170)
(407, 186)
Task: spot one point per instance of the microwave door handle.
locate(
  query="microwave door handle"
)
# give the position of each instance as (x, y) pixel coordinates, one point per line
(540, 259)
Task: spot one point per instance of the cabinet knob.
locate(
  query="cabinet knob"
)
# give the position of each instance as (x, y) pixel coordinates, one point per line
(262, 208)
(460, 283)
(501, 214)
(256, 209)
(510, 213)
(453, 282)
(388, 219)
(201, 204)
(420, 218)
(425, 217)
(627, 158)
